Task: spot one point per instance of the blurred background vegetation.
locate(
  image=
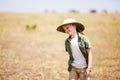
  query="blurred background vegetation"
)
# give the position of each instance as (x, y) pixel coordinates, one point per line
(32, 49)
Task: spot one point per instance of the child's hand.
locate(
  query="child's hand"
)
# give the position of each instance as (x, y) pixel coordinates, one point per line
(87, 73)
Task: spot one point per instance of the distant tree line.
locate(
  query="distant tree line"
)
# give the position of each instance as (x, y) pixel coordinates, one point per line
(76, 11)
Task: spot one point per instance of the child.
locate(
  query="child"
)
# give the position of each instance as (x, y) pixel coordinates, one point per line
(79, 49)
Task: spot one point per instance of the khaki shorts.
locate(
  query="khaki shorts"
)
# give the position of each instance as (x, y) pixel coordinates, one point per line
(76, 74)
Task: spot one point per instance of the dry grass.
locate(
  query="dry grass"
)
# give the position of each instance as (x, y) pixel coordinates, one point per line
(39, 54)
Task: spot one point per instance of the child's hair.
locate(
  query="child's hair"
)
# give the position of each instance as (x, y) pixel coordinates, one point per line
(82, 33)
(78, 30)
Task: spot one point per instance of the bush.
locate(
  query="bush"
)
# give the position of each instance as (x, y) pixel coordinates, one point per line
(33, 27)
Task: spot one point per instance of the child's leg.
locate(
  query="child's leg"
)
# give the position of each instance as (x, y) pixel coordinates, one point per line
(73, 75)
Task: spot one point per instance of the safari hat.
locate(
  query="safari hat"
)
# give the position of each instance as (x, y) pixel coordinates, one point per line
(79, 26)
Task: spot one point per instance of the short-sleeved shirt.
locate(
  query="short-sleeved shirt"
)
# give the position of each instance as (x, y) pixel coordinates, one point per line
(83, 43)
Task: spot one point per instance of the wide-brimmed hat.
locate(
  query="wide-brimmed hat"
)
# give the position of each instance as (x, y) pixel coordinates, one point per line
(79, 27)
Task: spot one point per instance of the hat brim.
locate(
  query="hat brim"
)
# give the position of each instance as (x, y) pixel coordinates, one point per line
(79, 27)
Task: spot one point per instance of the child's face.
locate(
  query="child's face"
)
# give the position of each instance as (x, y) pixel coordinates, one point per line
(69, 29)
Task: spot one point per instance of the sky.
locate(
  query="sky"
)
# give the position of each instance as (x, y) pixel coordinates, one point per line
(59, 5)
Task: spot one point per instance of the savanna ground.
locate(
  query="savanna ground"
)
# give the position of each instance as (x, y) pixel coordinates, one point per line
(38, 53)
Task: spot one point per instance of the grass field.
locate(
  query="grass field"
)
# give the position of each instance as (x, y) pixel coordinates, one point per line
(38, 54)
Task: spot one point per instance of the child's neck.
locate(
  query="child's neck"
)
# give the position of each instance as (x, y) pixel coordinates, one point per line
(74, 35)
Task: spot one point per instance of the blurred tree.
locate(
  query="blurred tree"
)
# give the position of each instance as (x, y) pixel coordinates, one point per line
(73, 11)
(93, 11)
(105, 11)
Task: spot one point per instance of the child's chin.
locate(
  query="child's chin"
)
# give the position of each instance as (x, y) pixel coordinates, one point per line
(69, 34)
